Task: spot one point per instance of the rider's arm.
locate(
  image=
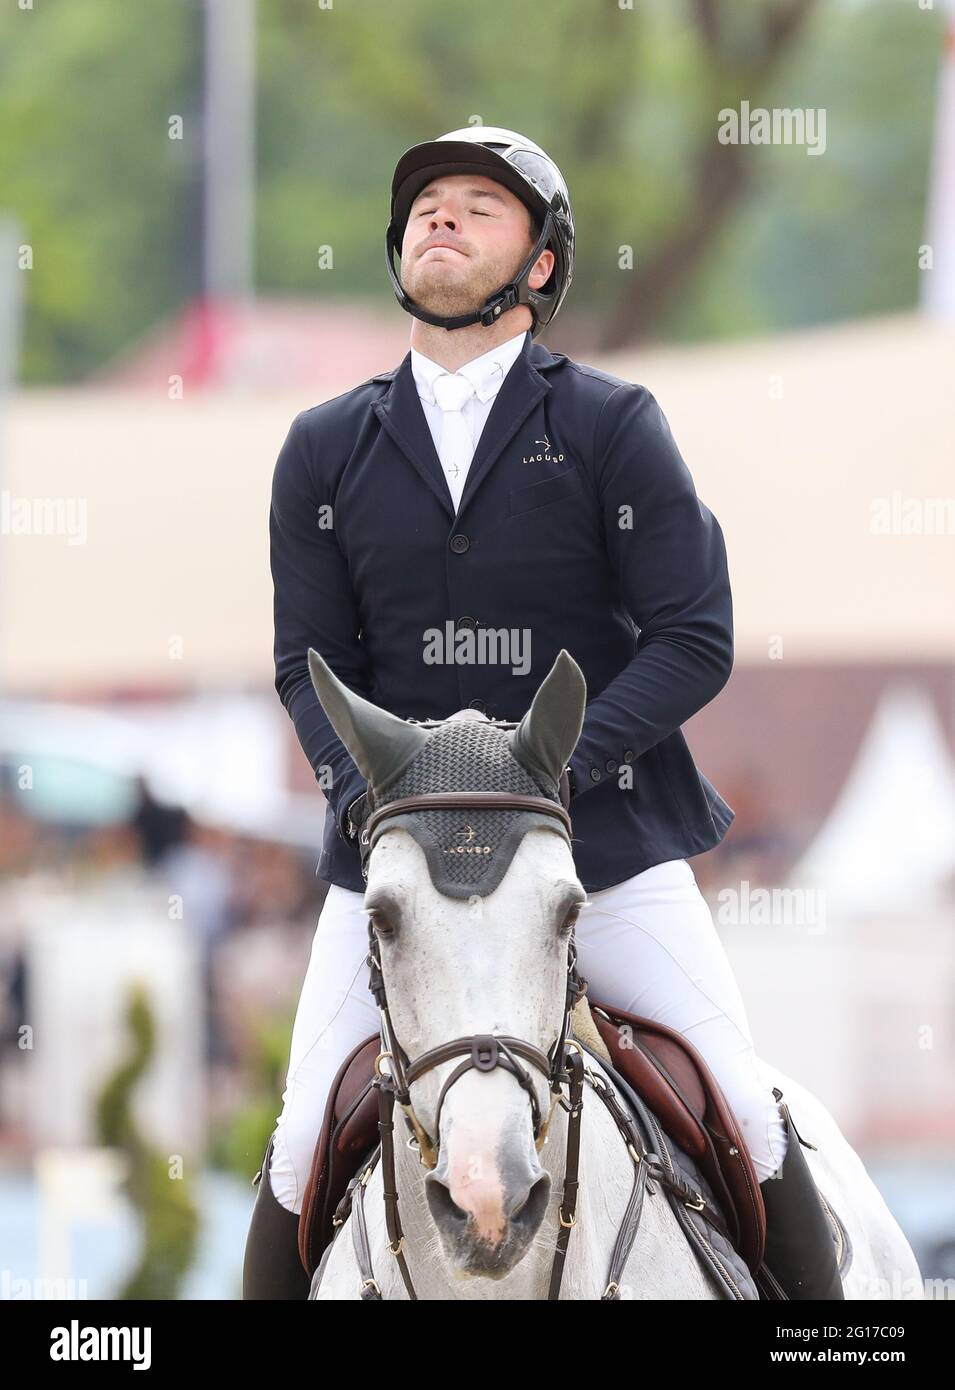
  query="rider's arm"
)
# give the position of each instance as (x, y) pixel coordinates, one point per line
(667, 553)
(314, 606)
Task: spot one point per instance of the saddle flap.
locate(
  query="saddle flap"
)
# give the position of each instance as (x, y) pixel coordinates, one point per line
(349, 1130)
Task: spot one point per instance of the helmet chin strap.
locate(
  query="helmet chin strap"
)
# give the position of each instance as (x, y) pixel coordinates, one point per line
(508, 296)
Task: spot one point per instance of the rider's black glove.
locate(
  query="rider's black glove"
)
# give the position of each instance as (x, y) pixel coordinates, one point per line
(358, 812)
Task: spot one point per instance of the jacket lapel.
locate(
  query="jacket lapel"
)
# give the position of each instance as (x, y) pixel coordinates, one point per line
(402, 415)
(520, 391)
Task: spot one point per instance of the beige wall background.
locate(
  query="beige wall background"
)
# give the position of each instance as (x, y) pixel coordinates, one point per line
(792, 441)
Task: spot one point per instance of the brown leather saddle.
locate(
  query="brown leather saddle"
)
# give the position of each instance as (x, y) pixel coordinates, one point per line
(661, 1065)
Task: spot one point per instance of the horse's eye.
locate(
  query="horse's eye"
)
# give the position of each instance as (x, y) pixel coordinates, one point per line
(570, 921)
(380, 922)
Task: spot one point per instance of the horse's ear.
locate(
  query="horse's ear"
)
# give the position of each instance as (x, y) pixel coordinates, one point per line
(548, 733)
(381, 744)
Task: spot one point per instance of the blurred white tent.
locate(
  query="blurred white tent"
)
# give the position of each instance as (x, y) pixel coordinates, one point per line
(859, 1010)
(888, 844)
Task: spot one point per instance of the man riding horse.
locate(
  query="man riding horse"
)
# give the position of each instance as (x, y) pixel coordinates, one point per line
(438, 535)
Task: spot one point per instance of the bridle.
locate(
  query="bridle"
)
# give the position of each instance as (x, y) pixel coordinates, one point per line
(563, 1064)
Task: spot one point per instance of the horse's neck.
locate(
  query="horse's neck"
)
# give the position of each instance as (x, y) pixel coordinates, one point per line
(606, 1174)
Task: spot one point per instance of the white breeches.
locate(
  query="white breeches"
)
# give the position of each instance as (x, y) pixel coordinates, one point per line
(647, 945)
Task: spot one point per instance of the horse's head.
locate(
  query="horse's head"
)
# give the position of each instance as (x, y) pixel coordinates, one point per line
(471, 912)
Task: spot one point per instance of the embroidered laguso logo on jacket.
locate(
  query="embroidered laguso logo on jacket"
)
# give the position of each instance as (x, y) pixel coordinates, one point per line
(546, 455)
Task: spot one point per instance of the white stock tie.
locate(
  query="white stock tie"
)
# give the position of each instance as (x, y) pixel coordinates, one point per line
(452, 394)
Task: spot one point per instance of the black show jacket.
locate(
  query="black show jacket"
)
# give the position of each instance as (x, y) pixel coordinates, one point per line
(579, 527)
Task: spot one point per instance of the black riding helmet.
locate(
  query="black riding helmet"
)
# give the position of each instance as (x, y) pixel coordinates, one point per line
(531, 175)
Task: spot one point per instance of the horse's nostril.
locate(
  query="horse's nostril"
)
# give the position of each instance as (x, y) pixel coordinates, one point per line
(530, 1213)
(525, 1214)
(440, 1202)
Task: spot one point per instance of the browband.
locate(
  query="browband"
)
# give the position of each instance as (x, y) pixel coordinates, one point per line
(465, 801)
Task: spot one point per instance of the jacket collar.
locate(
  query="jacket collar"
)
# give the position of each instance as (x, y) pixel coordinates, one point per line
(401, 414)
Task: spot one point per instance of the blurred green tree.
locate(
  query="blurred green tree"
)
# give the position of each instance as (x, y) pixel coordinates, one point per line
(678, 235)
(168, 1214)
(105, 200)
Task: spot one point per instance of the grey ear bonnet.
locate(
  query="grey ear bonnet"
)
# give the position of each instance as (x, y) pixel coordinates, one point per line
(468, 851)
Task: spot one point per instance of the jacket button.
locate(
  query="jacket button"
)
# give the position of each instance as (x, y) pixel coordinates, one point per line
(478, 704)
(628, 755)
(469, 623)
(459, 544)
(595, 774)
(610, 765)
